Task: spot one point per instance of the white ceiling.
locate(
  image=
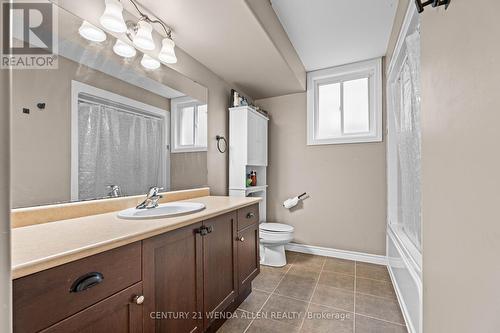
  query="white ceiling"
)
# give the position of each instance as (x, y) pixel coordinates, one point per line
(228, 38)
(327, 33)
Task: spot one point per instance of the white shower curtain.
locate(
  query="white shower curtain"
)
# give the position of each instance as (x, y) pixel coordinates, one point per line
(117, 147)
(406, 111)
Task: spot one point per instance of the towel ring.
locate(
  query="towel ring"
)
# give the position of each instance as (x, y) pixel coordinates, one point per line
(220, 138)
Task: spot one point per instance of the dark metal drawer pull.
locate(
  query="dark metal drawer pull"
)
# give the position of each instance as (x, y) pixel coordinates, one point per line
(204, 230)
(250, 215)
(86, 281)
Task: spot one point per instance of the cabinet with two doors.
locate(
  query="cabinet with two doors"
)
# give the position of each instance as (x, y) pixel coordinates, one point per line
(184, 280)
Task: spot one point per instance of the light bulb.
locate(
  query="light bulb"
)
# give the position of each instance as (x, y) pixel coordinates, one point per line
(91, 32)
(167, 53)
(112, 18)
(149, 63)
(143, 39)
(123, 49)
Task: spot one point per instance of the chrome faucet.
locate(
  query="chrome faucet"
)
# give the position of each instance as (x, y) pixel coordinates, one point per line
(152, 198)
(114, 191)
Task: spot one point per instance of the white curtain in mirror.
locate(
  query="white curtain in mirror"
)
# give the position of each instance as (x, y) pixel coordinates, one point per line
(117, 147)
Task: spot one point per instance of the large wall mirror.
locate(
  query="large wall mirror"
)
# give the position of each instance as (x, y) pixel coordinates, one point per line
(102, 125)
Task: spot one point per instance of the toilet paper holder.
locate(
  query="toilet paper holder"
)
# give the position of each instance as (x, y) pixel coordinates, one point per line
(292, 202)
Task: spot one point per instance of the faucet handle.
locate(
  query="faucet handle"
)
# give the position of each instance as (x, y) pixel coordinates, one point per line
(153, 191)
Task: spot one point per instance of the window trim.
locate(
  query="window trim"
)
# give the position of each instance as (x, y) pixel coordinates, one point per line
(176, 103)
(372, 69)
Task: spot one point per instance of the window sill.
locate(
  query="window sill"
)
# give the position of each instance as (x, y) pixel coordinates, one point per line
(341, 141)
(189, 150)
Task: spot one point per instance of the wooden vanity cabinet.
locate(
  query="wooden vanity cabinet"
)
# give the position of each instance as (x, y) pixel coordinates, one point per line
(173, 281)
(248, 255)
(189, 275)
(179, 281)
(220, 285)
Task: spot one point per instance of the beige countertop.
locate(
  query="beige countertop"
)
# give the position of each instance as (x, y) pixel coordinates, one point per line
(42, 246)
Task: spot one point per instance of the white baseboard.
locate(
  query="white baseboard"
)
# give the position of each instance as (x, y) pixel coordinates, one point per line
(342, 254)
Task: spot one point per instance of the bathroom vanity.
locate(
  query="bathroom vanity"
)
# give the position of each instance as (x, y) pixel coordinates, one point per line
(179, 274)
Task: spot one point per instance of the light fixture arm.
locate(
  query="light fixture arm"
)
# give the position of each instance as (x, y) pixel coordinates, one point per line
(145, 17)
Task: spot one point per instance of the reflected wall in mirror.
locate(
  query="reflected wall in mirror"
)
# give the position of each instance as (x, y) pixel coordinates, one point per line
(101, 125)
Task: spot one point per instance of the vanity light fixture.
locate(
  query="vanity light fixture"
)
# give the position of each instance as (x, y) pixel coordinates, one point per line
(149, 62)
(123, 49)
(112, 18)
(167, 52)
(143, 37)
(140, 34)
(91, 32)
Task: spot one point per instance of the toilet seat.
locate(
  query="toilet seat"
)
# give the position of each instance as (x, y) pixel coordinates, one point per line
(275, 233)
(275, 227)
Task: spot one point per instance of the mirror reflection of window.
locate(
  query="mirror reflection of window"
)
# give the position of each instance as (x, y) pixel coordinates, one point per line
(189, 125)
(201, 126)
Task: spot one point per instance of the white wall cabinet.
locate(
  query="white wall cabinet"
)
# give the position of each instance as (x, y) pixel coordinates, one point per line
(248, 151)
(257, 139)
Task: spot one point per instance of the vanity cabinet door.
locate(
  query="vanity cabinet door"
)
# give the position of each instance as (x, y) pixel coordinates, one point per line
(173, 281)
(219, 265)
(121, 312)
(248, 255)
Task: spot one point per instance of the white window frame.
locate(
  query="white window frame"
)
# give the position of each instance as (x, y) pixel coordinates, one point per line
(176, 104)
(79, 87)
(371, 69)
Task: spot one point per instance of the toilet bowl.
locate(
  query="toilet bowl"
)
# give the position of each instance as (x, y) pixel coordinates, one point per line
(273, 238)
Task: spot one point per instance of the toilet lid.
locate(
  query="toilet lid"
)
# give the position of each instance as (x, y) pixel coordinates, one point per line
(276, 227)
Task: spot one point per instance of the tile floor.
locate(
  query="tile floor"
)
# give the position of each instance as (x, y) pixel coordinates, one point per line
(314, 294)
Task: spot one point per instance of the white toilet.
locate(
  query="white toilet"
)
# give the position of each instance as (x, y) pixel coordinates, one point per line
(273, 238)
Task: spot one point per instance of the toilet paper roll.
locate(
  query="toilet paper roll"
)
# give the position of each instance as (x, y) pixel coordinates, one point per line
(289, 203)
(292, 202)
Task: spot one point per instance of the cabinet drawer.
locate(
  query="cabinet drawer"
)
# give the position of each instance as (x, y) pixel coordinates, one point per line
(118, 313)
(44, 298)
(247, 216)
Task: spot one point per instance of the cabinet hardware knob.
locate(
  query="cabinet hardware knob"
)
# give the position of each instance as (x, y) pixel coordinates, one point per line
(250, 215)
(241, 239)
(203, 230)
(139, 299)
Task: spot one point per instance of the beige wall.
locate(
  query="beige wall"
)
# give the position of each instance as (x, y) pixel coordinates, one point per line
(5, 279)
(41, 140)
(346, 183)
(188, 170)
(461, 167)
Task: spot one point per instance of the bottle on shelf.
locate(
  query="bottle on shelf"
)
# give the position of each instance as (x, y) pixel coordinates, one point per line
(253, 177)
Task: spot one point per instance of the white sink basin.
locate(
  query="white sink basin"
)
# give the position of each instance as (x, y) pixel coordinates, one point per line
(164, 210)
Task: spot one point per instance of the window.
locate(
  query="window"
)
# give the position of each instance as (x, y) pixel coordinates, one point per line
(189, 125)
(344, 104)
